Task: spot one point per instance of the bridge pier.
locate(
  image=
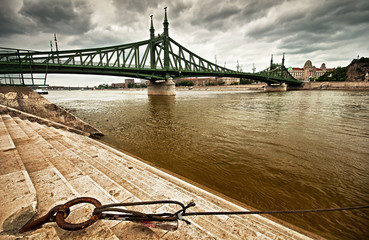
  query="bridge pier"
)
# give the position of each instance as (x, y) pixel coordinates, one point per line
(276, 88)
(162, 88)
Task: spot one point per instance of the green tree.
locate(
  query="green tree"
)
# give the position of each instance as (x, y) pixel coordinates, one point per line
(185, 83)
(338, 74)
(245, 81)
(131, 85)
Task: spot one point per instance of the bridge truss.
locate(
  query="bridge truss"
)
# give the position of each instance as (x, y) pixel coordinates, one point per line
(158, 58)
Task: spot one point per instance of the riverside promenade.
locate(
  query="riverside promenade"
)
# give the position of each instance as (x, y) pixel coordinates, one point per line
(44, 163)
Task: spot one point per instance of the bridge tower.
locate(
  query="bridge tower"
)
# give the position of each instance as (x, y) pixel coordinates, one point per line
(166, 41)
(281, 87)
(271, 62)
(152, 45)
(164, 87)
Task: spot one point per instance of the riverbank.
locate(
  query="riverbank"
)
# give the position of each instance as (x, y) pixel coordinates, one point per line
(260, 87)
(256, 147)
(332, 86)
(304, 86)
(43, 166)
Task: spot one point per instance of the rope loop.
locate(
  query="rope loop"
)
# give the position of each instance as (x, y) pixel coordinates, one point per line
(117, 211)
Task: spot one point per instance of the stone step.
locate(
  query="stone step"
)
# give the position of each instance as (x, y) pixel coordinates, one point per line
(241, 225)
(95, 159)
(161, 190)
(6, 142)
(63, 165)
(79, 160)
(60, 157)
(17, 201)
(14, 130)
(47, 232)
(17, 194)
(117, 169)
(9, 157)
(51, 185)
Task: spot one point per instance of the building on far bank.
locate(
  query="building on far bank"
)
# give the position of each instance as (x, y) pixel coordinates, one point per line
(198, 81)
(129, 81)
(229, 80)
(308, 72)
(118, 85)
(205, 81)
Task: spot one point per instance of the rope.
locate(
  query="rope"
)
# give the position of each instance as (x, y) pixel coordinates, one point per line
(116, 211)
(277, 211)
(128, 215)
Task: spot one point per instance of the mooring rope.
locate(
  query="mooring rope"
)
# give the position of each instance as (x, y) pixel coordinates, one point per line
(117, 211)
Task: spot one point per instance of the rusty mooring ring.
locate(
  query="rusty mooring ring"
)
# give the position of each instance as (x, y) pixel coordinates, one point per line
(60, 216)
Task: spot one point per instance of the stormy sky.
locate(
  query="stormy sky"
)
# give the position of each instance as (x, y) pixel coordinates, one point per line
(247, 31)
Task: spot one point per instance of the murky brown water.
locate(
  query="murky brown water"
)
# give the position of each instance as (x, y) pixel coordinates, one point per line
(292, 150)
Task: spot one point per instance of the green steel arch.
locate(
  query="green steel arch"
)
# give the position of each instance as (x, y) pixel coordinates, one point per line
(157, 58)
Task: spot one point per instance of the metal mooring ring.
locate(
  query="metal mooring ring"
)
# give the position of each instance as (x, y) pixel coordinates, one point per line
(60, 219)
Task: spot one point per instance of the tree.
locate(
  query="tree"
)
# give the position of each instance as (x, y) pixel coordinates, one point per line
(338, 74)
(185, 83)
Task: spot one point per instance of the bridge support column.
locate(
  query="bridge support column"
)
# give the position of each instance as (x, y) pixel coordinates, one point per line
(162, 88)
(276, 88)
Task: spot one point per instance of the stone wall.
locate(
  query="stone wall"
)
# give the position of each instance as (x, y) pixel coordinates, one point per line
(26, 100)
(332, 86)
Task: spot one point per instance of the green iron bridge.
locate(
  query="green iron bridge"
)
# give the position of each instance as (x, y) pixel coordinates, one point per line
(156, 59)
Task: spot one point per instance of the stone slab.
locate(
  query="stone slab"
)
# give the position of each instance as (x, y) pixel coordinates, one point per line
(17, 201)
(6, 142)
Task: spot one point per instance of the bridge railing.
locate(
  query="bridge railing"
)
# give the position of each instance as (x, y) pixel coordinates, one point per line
(150, 59)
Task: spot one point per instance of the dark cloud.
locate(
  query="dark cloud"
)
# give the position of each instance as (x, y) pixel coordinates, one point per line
(230, 29)
(307, 31)
(42, 16)
(10, 21)
(255, 9)
(214, 15)
(136, 6)
(61, 16)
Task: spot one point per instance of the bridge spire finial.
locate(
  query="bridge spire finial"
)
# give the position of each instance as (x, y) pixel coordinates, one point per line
(283, 60)
(166, 23)
(152, 29)
(271, 61)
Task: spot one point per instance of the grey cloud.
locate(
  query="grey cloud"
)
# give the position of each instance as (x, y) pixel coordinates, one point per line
(131, 12)
(255, 9)
(326, 19)
(317, 28)
(61, 16)
(179, 7)
(10, 22)
(214, 15)
(136, 6)
(298, 27)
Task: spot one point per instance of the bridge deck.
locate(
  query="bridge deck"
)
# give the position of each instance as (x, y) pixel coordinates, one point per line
(49, 166)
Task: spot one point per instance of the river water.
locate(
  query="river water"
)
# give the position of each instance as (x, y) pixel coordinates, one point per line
(290, 150)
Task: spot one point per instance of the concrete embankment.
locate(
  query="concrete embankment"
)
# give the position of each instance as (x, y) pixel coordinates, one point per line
(304, 86)
(43, 166)
(248, 87)
(332, 86)
(27, 101)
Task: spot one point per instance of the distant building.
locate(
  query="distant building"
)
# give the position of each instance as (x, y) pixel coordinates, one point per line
(129, 81)
(308, 72)
(229, 80)
(199, 81)
(118, 85)
(204, 81)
